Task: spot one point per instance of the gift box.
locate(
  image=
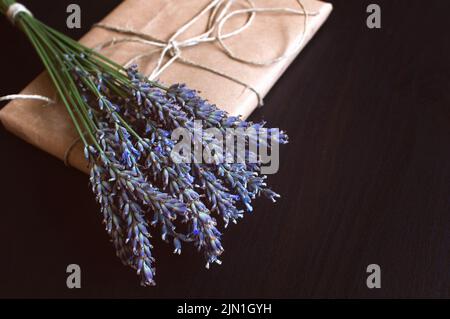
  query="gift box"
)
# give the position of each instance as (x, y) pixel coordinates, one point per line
(225, 81)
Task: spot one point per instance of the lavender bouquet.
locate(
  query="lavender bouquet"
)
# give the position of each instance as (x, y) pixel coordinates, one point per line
(127, 125)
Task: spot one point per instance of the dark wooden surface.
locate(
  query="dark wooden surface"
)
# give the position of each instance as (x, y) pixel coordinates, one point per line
(365, 179)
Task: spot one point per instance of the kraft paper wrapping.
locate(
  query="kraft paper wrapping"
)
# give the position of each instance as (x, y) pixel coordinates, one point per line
(50, 128)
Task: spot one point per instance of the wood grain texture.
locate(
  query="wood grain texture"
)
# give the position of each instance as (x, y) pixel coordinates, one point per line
(365, 180)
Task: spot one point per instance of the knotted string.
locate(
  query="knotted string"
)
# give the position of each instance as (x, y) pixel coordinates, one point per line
(14, 10)
(219, 13)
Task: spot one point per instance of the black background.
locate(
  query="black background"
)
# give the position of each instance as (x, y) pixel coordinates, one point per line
(364, 180)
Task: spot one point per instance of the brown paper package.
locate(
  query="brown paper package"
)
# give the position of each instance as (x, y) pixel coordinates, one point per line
(50, 128)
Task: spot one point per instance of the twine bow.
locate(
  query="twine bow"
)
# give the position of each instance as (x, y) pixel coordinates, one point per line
(219, 13)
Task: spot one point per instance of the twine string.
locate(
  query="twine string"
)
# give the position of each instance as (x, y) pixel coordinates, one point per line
(219, 13)
(36, 97)
(284, 55)
(14, 10)
(69, 149)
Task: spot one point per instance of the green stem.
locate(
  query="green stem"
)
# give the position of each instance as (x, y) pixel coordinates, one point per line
(58, 79)
(45, 60)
